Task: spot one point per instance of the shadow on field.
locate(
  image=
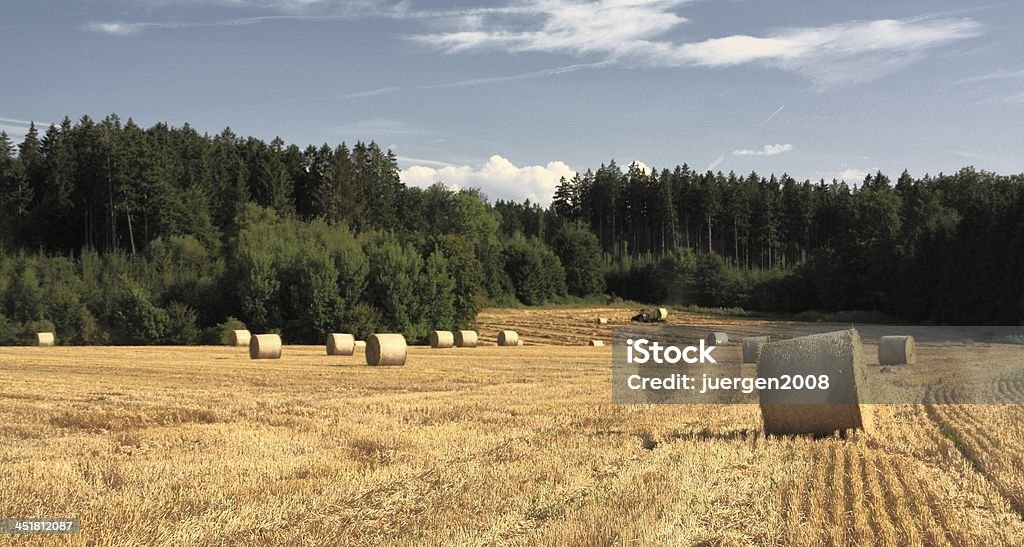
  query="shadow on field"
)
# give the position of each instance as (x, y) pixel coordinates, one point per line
(709, 435)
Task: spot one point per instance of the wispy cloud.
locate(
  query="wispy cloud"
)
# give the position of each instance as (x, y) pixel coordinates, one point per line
(16, 128)
(770, 118)
(517, 77)
(122, 28)
(302, 11)
(460, 83)
(628, 31)
(379, 127)
(974, 156)
(354, 95)
(713, 165)
(767, 150)
(271, 10)
(999, 75)
(422, 161)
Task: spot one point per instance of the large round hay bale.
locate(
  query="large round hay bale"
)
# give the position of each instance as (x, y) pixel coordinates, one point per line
(442, 339)
(360, 344)
(508, 338)
(45, 339)
(896, 350)
(239, 338)
(466, 338)
(602, 320)
(385, 350)
(806, 411)
(265, 346)
(751, 346)
(597, 343)
(662, 314)
(341, 344)
(717, 339)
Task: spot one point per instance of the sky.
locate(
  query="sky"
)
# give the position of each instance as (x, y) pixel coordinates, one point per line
(509, 96)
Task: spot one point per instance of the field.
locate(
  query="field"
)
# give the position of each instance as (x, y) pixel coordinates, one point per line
(197, 446)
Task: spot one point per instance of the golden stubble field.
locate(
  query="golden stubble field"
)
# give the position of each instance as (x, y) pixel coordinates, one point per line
(199, 446)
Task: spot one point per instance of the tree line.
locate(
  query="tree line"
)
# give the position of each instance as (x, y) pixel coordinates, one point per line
(114, 233)
(945, 248)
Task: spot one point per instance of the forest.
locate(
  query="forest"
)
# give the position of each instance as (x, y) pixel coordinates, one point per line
(115, 233)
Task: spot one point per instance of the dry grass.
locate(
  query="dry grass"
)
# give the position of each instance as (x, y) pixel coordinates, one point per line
(200, 446)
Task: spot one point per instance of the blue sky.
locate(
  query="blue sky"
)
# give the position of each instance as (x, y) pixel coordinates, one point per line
(508, 96)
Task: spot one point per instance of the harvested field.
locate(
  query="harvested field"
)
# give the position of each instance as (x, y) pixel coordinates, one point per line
(578, 326)
(492, 445)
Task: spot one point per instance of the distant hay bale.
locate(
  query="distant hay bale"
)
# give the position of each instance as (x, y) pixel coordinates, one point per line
(466, 338)
(597, 343)
(821, 412)
(751, 345)
(717, 339)
(896, 350)
(385, 350)
(662, 314)
(520, 343)
(45, 339)
(602, 320)
(239, 338)
(361, 344)
(265, 346)
(340, 344)
(508, 338)
(442, 339)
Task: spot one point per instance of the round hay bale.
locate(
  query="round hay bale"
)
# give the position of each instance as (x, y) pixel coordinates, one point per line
(717, 339)
(508, 338)
(896, 350)
(442, 339)
(662, 314)
(45, 339)
(360, 344)
(239, 338)
(385, 350)
(751, 346)
(341, 344)
(597, 343)
(819, 412)
(602, 320)
(466, 338)
(520, 342)
(265, 346)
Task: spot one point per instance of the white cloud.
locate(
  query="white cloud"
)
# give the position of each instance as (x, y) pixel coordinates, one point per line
(853, 175)
(716, 163)
(499, 178)
(605, 26)
(644, 168)
(628, 31)
(766, 150)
